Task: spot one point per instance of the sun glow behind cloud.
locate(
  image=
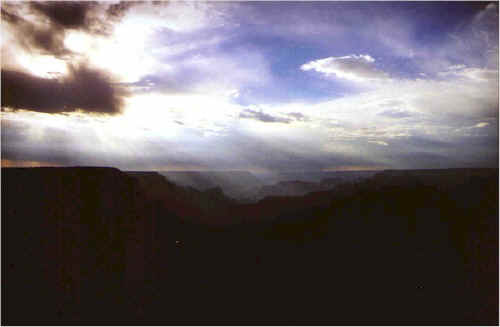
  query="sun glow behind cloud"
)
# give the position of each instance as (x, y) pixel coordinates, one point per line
(201, 85)
(123, 53)
(43, 66)
(209, 113)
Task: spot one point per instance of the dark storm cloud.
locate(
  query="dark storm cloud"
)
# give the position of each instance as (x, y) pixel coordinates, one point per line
(85, 89)
(9, 17)
(67, 14)
(263, 117)
(117, 10)
(83, 15)
(45, 40)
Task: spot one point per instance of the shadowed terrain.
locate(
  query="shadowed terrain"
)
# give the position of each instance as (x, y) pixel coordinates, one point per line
(235, 184)
(246, 187)
(99, 244)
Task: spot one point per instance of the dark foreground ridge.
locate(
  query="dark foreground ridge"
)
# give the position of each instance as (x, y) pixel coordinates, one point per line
(98, 245)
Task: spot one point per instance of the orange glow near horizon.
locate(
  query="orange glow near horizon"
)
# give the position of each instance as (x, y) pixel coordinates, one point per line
(6, 163)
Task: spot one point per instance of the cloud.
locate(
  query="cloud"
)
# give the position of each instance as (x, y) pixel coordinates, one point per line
(42, 39)
(412, 45)
(359, 68)
(37, 34)
(469, 73)
(298, 116)
(41, 26)
(263, 117)
(379, 143)
(466, 151)
(66, 14)
(481, 125)
(447, 101)
(474, 43)
(190, 62)
(83, 89)
(259, 115)
(208, 70)
(112, 140)
(395, 113)
(118, 10)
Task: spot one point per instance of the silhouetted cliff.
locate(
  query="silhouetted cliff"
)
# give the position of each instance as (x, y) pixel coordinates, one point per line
(100, 245)
(74, 239)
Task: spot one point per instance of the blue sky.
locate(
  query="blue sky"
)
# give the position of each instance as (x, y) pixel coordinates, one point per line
(253, 85)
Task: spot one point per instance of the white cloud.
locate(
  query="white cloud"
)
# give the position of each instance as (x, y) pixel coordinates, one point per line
(178, 16)
(471, 73)
(359, 68)
(481, 125)
(437, 99)
(428, 108)
(379, 143)
(182, 47)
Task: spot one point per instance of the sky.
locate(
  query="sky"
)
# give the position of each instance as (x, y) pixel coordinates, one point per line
(258, 86)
